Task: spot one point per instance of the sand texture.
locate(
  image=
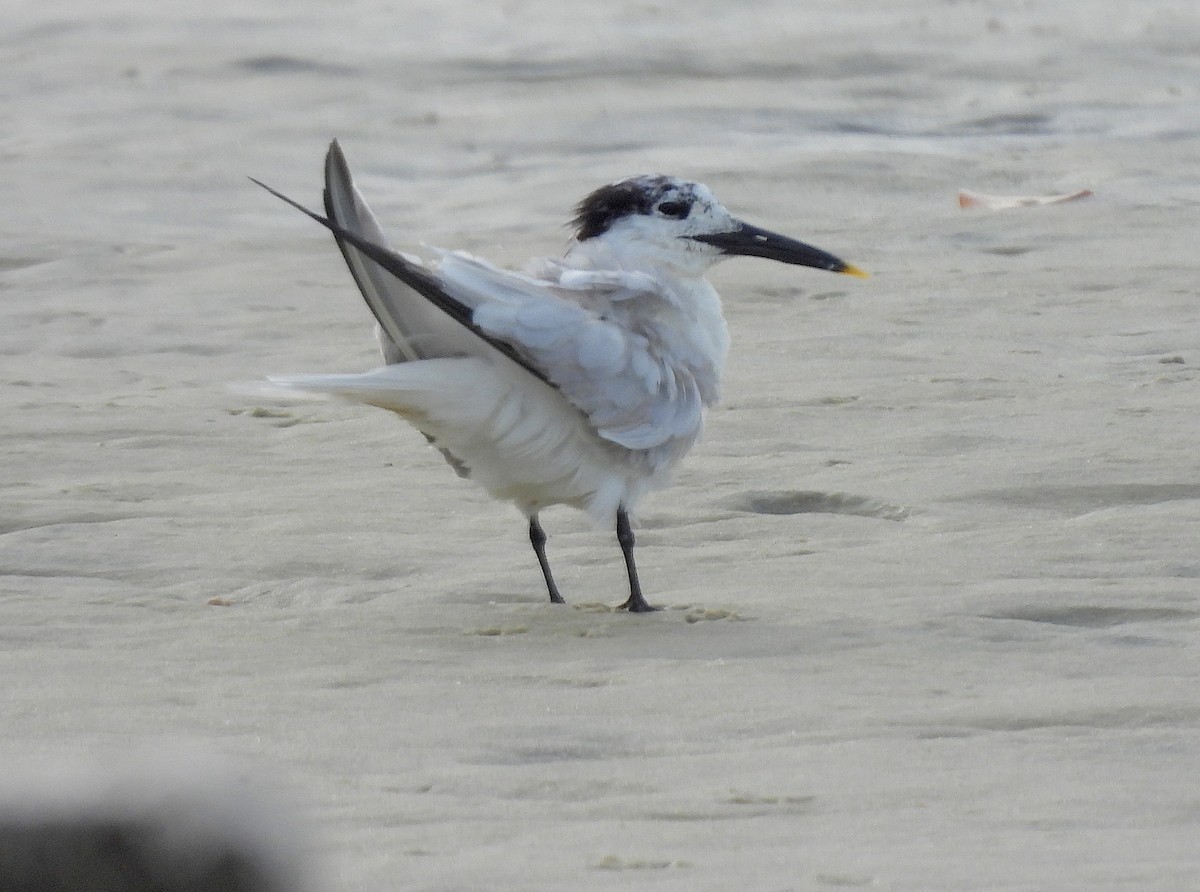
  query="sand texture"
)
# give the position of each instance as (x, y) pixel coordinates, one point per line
(931, 576)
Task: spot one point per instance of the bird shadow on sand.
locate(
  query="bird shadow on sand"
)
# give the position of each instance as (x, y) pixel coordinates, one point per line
(814, 502)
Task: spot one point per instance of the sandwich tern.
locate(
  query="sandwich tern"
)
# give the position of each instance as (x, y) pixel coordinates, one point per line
(581, 382)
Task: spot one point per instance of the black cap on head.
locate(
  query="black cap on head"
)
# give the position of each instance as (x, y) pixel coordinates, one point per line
(596, 214)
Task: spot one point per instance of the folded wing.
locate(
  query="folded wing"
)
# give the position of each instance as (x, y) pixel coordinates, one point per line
(581, 337)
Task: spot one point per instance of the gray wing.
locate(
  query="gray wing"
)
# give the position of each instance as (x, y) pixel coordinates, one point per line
(573, 334)
(411, 327)
(633, 392)
(452, 329)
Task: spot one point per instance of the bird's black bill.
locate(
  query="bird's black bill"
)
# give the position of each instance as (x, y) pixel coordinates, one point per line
(750, 241)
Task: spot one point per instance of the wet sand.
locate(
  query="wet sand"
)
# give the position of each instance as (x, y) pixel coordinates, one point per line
(931, 577)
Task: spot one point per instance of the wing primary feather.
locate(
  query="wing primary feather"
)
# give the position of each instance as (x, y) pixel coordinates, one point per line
(420, 281)
(355, 262)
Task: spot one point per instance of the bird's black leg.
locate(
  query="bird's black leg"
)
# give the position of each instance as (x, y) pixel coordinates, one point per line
(537, 538)
(635, 603)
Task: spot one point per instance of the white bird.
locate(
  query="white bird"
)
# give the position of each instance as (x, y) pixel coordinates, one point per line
(583, 382)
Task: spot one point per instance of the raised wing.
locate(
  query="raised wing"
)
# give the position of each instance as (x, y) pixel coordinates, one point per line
(425, 286)
(578, 332)
(413, 327)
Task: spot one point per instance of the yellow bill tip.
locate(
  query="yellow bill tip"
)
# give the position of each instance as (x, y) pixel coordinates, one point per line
(851, 270)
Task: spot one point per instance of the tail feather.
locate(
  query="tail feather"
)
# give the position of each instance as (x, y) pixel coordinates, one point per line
(522, 444)
(443, 391)
(371, 389)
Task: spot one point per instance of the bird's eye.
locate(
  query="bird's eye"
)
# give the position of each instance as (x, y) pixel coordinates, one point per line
(676, 209)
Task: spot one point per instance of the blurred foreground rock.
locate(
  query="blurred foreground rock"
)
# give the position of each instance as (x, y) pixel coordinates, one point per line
(165, 823)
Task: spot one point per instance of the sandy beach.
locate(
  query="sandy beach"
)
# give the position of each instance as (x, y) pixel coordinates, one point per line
(931, 576)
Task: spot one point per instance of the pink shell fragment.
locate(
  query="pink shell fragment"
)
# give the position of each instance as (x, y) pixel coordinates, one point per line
(1002, 202)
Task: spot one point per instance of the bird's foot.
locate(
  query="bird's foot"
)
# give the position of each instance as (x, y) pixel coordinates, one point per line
(637, 604)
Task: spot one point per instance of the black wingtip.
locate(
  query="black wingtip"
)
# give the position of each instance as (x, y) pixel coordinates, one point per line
(390, 261)
(290, 201)
(335, 158)
(336, 169)
(418, 279)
